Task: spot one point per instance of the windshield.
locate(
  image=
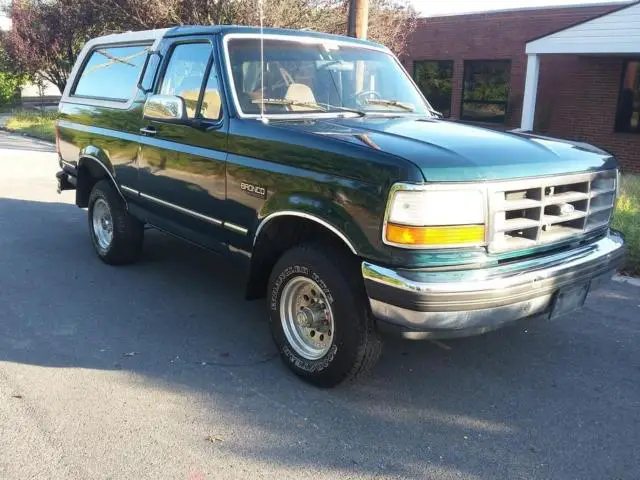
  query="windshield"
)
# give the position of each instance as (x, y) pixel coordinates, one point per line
(311, 78)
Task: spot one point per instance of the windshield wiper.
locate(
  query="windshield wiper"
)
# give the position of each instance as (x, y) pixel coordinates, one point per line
(435, 113)
(322, 107)
(360, 113)
(391, 103)
(288, 102)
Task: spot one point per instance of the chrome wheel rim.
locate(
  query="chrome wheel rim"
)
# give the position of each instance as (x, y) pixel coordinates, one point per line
(102, 223)
(307, 319)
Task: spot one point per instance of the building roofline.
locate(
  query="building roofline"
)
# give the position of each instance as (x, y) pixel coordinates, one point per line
(622, 4)
(623, 7)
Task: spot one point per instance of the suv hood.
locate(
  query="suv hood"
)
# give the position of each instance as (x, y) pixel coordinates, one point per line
(446, 151)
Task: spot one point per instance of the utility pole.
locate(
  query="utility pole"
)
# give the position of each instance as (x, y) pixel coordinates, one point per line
(358, 18)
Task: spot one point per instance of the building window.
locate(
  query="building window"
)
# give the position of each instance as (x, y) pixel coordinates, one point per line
(628, 114)
(486, 90)
(434, 80)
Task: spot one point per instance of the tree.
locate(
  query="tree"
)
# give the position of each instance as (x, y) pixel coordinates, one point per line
(10, 81)
(390, 21)
(47, 35)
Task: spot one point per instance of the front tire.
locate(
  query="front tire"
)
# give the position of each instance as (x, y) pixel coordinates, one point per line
(319, 317)
(116, 235)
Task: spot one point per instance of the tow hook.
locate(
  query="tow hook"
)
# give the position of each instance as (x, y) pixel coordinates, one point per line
(65, 182)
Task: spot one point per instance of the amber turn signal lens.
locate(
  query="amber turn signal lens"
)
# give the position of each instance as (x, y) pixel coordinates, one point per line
(435, 236)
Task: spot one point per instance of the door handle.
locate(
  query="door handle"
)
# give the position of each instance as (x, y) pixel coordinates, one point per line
(148, 131)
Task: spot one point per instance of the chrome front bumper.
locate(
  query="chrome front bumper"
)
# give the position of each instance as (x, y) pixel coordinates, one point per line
(442, 304)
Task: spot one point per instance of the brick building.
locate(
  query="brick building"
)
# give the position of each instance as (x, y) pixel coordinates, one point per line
(473, 68)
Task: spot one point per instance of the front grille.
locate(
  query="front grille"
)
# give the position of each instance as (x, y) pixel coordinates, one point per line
(540, 211)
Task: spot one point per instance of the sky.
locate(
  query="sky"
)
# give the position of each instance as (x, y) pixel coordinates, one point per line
(449, 7)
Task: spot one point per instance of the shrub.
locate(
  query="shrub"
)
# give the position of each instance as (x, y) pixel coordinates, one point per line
(627, 220)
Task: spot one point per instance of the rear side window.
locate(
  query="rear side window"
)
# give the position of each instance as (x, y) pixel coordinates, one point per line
(112, 73)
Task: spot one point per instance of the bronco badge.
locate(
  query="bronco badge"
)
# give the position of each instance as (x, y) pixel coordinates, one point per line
(254, 190)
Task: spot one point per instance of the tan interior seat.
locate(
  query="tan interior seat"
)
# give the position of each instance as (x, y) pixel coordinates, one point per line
(211, 104)
(189, 90)
(299, 92)
(191, 101)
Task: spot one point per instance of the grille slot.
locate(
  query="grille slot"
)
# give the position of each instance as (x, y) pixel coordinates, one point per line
(526, 213)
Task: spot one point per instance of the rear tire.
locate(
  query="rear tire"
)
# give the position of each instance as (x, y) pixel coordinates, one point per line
(345, 345)
(116, 235)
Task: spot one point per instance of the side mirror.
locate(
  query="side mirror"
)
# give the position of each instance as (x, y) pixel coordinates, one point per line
(165, 108)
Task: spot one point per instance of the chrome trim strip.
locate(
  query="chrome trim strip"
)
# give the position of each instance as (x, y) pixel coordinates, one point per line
(293, 213)
(197, 215)
(500, 278)
(235, 228)
(129, 190)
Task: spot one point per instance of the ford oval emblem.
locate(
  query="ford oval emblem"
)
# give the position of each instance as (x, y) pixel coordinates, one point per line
(567, 209)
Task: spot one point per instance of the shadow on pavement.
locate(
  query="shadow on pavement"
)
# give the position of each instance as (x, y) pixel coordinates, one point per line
(538, 400)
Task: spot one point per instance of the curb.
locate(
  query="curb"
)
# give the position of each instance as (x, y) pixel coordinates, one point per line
(18, 134)
(624, 279)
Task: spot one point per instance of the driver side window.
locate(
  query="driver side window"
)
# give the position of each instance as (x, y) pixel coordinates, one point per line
(184, 75)
(211, 103)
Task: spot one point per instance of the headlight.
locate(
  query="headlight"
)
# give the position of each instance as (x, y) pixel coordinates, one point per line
(435, 216)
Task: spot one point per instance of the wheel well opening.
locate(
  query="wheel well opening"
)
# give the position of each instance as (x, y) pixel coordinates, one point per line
(89, 173)
(278, 236)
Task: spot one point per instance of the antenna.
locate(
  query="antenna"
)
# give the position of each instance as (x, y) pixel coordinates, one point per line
(261, 11)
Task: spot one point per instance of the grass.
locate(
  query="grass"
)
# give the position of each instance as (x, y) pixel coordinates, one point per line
(627, 220)
(33, 123)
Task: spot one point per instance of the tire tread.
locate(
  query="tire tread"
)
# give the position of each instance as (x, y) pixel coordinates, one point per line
(347, 266)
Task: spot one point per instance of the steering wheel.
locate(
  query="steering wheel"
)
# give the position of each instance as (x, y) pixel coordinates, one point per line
(357, 96)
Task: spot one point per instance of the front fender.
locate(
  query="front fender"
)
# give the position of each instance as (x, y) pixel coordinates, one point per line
(338, 214)
(341, 215)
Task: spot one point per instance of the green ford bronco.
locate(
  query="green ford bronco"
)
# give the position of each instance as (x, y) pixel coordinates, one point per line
(353, 208)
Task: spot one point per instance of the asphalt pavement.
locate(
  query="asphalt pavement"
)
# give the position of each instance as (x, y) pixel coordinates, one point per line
(161, 370)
